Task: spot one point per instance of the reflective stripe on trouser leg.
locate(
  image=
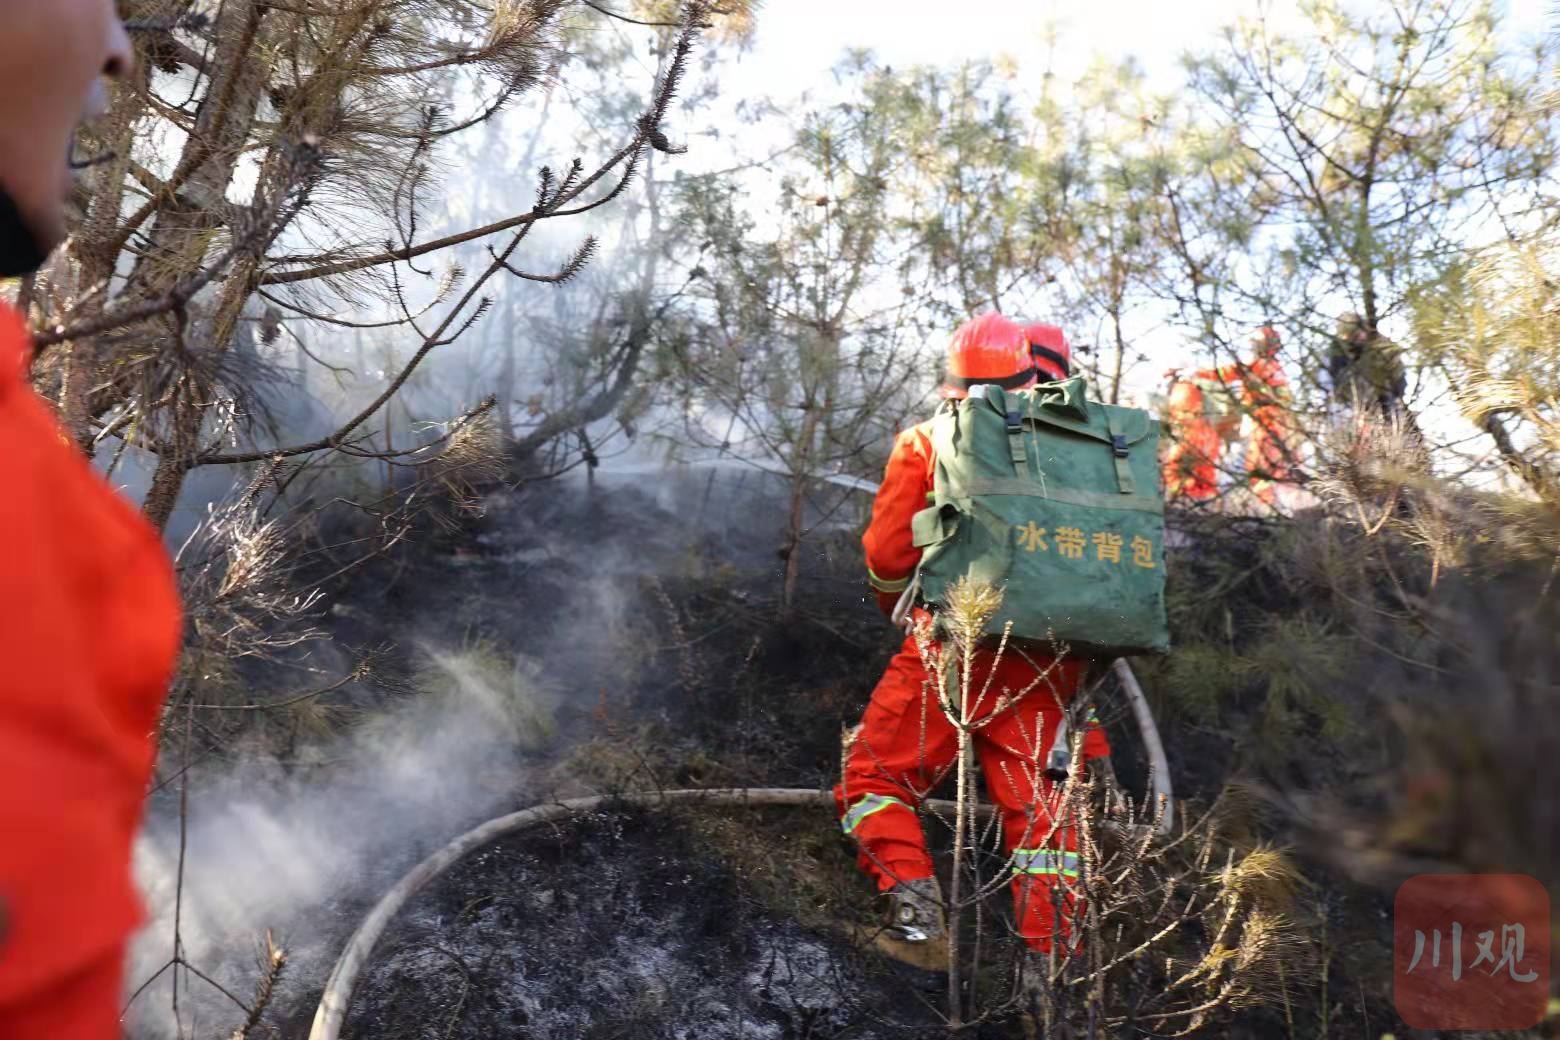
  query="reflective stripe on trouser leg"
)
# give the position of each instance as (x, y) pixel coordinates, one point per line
(866, 806)
(887, 584)
(1045, 863)
(1042, 879)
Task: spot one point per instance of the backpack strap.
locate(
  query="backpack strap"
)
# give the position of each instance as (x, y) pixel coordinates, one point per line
(1015, 432)
(1118, 449)
(927, 527)
(1015, 429)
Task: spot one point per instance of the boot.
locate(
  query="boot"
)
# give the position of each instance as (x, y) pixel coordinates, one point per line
(916, 933)
(917, 914)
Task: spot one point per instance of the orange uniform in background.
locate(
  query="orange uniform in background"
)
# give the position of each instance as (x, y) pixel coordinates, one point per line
(1191, 464)
(1264, 397)
(905, 744)
(89, 639)
(1265, 393)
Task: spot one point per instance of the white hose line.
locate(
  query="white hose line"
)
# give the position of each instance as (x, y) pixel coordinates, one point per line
(337, 996)
(1158, 764)
(343, 978)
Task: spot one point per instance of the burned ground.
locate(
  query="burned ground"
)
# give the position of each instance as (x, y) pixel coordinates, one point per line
(660, 659)
(662, 663)
(621, 925)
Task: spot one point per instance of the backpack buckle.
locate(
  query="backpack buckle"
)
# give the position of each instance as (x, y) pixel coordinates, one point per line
(1015, 422)
(1118, 446)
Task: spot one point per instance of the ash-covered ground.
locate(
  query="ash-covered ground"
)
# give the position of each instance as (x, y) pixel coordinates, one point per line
(622, 925)
(576, 640)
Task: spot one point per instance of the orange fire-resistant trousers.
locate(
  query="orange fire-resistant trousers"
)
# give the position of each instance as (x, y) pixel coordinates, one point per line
(1265, 457)
(905, 745)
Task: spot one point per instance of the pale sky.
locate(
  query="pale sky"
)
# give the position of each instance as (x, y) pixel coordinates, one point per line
(798, 40)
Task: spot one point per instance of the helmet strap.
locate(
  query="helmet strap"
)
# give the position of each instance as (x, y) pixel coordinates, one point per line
(1012, 382)
(1061, 363)
(20, 252)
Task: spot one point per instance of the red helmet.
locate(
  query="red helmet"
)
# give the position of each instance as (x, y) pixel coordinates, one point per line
(988, 349)
(1049, 350)
(1267, 340)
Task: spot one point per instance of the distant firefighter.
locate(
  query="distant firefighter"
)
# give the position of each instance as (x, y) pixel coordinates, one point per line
(1191, 464)
(1365, 366)
(1205, 412)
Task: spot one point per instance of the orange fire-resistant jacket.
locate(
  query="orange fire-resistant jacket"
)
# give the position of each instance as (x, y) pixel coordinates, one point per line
(890, 548)
(87, 644)
(1261, 380)
(1192, 455)
(905, 491)
(1264, 391)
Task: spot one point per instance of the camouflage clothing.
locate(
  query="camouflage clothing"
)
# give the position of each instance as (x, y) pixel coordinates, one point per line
(1365, 366)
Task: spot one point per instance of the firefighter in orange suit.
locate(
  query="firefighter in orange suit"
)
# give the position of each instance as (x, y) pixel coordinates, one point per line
(905, 744)
(1265, 394)
(92, 624)
(1262, 390)
(1192, 459)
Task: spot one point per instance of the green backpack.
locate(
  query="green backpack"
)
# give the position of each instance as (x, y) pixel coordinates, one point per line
(1056, 500)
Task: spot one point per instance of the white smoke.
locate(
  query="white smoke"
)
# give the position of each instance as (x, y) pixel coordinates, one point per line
(303, 848)
(301, 851)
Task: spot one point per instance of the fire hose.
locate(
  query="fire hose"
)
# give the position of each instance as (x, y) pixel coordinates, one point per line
(339, 987)
(343, 978)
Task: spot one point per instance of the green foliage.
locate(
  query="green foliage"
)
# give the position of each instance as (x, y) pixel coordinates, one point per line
(1353, 162)
(784, 349)
(1201, 679)
(1491, 324)
(1301, 662)
(1286, 681)
(1266, 659)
